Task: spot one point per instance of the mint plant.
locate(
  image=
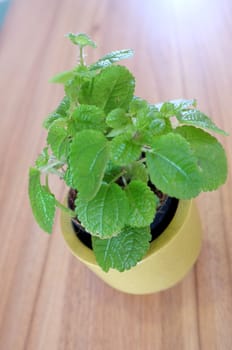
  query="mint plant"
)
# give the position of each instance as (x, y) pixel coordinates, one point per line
(110, 146)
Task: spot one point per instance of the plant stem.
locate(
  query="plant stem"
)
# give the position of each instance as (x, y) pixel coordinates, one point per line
(46, 179)
(146, 149)
(58, 204)
(82, 56)
(118, 176)
(124, 181)
(51, 165)
(58, 173)
(142, 160)
(65, 209)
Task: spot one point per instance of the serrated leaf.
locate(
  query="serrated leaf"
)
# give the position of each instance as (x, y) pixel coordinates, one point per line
(68, 178)
(117, 118)
(62, 78)
(142, 122)
(137, 105)
(199, 119)
(167, 109)
(145, 137)
(152, 123)
(171, 107)
(124, 149)
(42, 159)
(173, 167)
(50, 119)
(137, 171)
(154, 112)
(210, 156)
(84, 72)
(159, 126)
(89, 155)
(72, 86)
(63, 107)
(60, 112)
(112, 88)
(111, 57)
(184, 104)
(87, 117)
(142, 204)
(122, 251)
(81, 39)
(58, 139)
(126, 129)
(106, 213)
(42, 201)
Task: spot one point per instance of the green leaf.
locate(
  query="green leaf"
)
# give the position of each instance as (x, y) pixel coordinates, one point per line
(106, 213)
(152, 124)
(137, 171)
(87, 117)
(210, 156)
(50, 119)
(171, 107)
(72, 88)
(42, 159)
(184, 104)
(147, 127)
(58, 139)
(173, 167)
(62, 78)
(122, 251)
(168, 109)
(199, 119)
(63, 107)
(52, 166)
(148, 119)
(111, 57)
(81, 40)
(154, 112)
(144, 137)
(159, 126)
(60, 112)
(112, 88)
(124, 149)
(142, 122)
(68, 178)
(117, 118)
(126, 129)
(89, 156)
(138, 105)
(84, 72)
(142, 204)
(111, 172)
(42, 201)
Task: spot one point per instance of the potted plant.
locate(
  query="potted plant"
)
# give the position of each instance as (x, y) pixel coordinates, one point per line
(132, 168)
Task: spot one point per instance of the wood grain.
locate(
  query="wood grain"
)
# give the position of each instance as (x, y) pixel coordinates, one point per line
(48, 300)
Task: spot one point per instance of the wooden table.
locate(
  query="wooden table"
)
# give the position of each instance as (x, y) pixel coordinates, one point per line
(48, 300)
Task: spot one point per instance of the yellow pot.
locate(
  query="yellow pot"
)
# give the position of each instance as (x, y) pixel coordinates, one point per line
(168, 260)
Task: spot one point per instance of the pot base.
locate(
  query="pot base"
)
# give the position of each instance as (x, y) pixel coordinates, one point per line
(168, 260)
